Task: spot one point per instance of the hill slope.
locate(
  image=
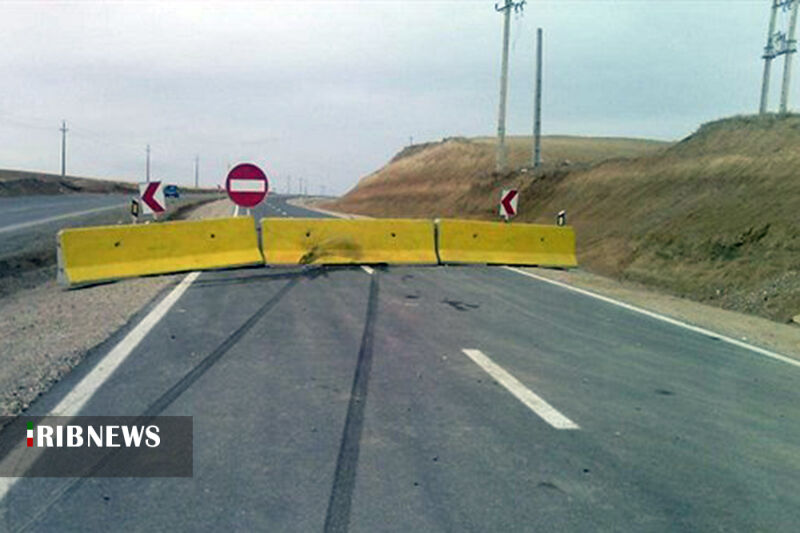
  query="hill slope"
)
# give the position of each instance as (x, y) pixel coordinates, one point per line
(713, 217)
(20, 182)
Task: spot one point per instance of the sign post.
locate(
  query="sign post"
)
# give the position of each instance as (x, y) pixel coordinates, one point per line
(247, 185)
(508, 203)
(134, 210)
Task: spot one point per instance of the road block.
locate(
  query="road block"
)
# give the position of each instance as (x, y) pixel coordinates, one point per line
(93, 254)
(293, 241)
(470, 241)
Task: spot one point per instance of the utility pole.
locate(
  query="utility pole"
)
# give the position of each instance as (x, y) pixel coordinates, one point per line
(63, 129)
(501, 157)
(147, 172)
(197, 172)
(769, 55)
(537, 106)
(790, 49)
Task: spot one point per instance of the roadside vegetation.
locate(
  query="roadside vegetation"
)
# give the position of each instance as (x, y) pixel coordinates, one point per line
(713, 217)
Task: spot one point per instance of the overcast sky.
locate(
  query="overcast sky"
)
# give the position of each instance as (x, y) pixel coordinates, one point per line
(331, 90)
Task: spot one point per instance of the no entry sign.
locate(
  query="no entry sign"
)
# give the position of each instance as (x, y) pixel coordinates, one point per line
(247, 185)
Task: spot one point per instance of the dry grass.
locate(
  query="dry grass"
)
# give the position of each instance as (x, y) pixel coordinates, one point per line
(713, 217)
(20, 182)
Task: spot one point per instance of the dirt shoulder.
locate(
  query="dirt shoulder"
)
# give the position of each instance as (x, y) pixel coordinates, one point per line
(781, 338)
(47, 330)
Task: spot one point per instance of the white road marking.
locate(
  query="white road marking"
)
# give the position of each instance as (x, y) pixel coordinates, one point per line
(668, 320)
(535, 403)
(23, 225)
(72, 403)
(367, 269)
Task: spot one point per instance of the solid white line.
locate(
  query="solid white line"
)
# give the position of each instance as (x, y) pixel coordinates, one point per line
(23, 225)
(535, 403)
(674, 322)
(72, 403)
(367, 269)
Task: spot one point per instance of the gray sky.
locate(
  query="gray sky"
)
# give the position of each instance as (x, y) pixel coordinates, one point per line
(331, 90)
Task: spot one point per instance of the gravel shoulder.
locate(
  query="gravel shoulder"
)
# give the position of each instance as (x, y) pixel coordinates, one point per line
(46, 330)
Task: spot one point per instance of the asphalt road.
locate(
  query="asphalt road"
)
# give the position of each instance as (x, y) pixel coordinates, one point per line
(342, 398)
(20, 212)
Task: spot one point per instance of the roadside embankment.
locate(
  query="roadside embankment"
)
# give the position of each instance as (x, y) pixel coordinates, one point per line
(712, 218)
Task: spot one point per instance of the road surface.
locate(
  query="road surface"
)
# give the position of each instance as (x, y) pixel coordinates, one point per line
(21, 212)
(431, 399)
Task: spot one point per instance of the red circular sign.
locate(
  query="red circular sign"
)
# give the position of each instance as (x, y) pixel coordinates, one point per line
(247, 185)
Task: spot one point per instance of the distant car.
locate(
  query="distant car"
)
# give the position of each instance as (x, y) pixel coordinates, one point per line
(171, 191)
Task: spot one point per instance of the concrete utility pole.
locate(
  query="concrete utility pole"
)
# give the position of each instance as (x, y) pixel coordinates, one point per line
(537, 106)
(147, 171)
(64, 131)
(196, 172)
(790, 49)
(502, 154)
(769, 55)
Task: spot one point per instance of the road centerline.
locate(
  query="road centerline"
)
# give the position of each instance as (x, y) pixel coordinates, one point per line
(530, 399)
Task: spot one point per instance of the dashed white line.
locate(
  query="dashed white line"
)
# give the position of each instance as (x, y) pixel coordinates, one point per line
(530, 399)
(668, 320)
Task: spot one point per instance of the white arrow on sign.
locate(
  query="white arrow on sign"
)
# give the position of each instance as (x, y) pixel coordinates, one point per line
(508, 203)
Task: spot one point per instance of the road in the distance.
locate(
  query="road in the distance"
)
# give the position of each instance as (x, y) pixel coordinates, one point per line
(339, 398)
(20, 212)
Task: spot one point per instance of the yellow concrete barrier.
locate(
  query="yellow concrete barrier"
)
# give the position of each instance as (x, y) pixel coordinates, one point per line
(469, 241)
(293, 241)
(102, 253)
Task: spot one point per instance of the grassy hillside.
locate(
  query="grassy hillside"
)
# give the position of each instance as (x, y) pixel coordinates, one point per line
(431, 179)
(714, 217)
(19, 182)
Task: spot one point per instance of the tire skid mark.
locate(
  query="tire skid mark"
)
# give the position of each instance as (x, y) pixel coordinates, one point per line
(168, 397)
(337, 519)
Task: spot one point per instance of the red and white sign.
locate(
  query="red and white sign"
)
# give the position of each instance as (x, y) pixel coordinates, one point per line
(247, 185)
(152, 195)
(508, 203)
